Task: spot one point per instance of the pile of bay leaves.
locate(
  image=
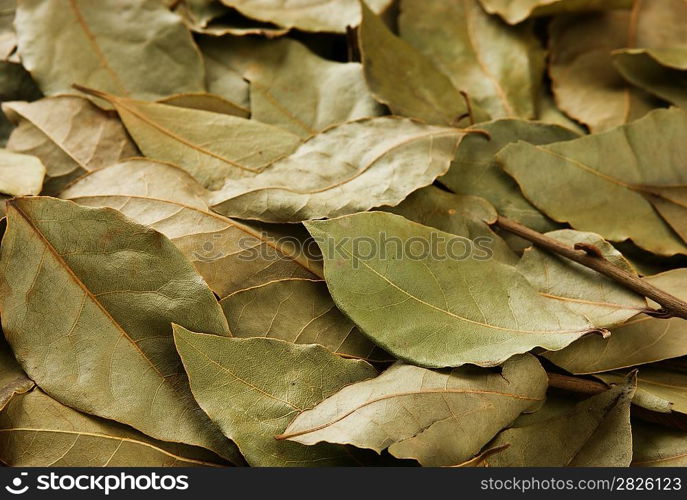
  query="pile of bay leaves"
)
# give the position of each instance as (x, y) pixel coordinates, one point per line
(298, 233)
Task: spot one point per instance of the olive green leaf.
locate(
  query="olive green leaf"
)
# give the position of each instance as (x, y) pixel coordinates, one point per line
(421, 294)
(134, 48)
(206, 102)
(221, 78)
(435, 417)
(548, 112)
(475, 170)
(212, 147)
(500, 67)
(467, 216)
(38, 431)
(13, 380)
(595, 433)
(306, 15)
(230, 255)
(53, 130)
(662, 72)
(252, 388)
(20, 174)
(89, 298)
(296, 310)
(641, 340)
(657, 446)
(293, 88)
(516, 11)
(605, 182)
(658, 389)
(426, 93)
(347, 168)
(585, 82)
(604, 302)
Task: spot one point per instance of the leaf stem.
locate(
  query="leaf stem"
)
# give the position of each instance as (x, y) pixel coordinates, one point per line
(576, 384)
(589, 256)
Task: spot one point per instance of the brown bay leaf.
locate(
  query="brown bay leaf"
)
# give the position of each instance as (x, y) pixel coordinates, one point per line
(88, 300)
(499, 66)
(639, 341)
(595, 433)
(384, 160)
(134, 48)
(206, 102)
(69, 135)
(212, 147)
(266, 383)
(38, 431)
(20, 175)
(13, 380)
(656, 446)
(428, 302)
(605, 182)
(435, 417)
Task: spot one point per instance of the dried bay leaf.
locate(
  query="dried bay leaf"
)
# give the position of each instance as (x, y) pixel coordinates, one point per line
(661, 72)
(296, 310)
(212, 147)
(516, 11)
(429, 303)
(475, 170)
(220, 77)
(252, 388)
(293, 88)
(134, 48)
(69, 135)
(199, 13)
(656, 446)
(595, 433)
(20, 174)
(230, 255)
(604, 302)
(87, 305)
(347, 168)
(500, 67)
(206, 102)
(586, 85)
(641, 340)
(38, 431)
(8, 37)
(435, 417)
(426, 93)
(13, 380)
(604, 182)
(325, 15)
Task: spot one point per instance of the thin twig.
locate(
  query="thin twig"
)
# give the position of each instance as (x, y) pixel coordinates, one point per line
(589, 256)
(576, 384)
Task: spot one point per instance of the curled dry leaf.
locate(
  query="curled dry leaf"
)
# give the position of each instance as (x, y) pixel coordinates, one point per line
(632, 166)
(437, 418)
(266, 382)
(326, 15)
(516, 11)
(91, 42)
(38, 431)
(20, 175)
(229, 254)
(639, 341)
(428, 303)
(212, 147)
(348, 168)
(69, 135)
(595, 433)
(87, 303)
(500, 67)
(206, 102)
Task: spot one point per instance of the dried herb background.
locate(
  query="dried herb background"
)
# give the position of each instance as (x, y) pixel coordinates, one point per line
(400, 232)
